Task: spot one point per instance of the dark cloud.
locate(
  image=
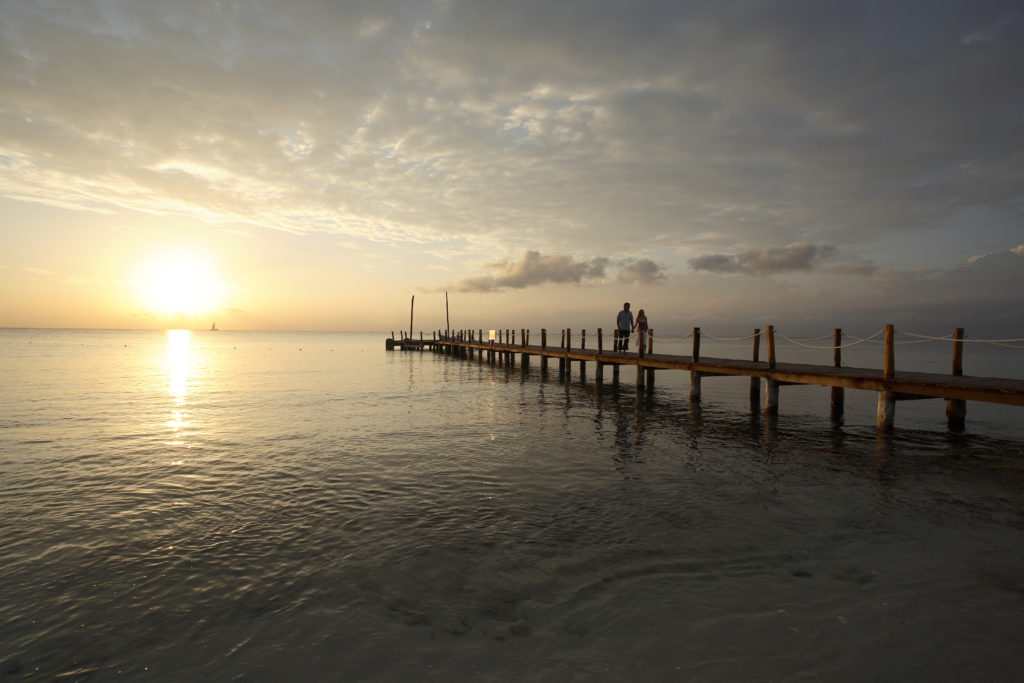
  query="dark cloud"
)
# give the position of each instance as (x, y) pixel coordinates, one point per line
(798, 256)
(535, 269)
(641, 271)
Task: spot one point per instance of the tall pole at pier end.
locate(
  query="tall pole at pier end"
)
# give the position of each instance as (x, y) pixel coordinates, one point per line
(447, 320)
(412, 304)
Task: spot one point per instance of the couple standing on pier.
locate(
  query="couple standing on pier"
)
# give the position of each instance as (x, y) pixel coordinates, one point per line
(624, 326)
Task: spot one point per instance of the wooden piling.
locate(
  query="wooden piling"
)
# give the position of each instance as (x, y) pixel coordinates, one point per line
(561, 358)
(568, 348)
(885, 416)
(650, 351)
(755, 382)
(838, 393)
(956, 409)
(771, 387)
(543, 347)
(695, 375)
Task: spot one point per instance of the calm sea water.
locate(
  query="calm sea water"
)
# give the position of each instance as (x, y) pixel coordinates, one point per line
(272, 506)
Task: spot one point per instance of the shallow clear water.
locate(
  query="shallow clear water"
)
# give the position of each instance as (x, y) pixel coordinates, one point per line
(300, 505)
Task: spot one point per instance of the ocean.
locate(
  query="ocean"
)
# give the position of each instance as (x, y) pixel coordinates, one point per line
(310, 506)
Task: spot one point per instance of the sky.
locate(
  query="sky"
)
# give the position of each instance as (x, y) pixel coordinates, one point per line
(314, 165)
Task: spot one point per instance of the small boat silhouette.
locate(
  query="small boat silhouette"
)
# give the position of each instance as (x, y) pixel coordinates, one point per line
(213, 327)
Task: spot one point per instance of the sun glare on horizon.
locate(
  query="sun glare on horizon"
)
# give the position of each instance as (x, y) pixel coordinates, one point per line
(178, 284)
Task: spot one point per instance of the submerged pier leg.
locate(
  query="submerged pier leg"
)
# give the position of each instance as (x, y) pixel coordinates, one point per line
(956, 409)
(694, 385)
(956, 414)
(771, 397)
(838, 395)
(885, 418)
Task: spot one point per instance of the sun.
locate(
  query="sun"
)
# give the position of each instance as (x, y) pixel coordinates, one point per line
(178, 283)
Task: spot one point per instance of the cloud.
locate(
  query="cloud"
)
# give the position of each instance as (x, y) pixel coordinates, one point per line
(546, 123)
(640, 271)
(535, 269)
(798, 256)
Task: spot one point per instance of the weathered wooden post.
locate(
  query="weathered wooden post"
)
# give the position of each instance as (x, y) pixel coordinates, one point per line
(640, 350)
(561, 358)
(543, 348)
(650, 351)
(956, 408)
(755, 382)
(599, 367)
(885, 417)
(838, 393)
(583, 363)
(694, 374)
(568, 346)
(771, 387)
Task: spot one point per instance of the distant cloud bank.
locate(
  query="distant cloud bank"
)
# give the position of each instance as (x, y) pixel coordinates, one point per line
(534, 269)
(795, 257)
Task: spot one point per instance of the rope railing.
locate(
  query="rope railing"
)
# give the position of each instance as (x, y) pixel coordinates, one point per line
(1005, 343)
(873, 339)
(832, 347)
(711, 336)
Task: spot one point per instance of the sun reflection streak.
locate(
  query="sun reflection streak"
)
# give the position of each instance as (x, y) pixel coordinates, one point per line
(177, 364)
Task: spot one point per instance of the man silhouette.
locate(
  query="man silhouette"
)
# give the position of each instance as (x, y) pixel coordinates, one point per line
(624, 327)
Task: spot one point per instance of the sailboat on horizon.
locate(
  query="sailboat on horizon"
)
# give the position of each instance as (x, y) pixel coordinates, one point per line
(213, 327)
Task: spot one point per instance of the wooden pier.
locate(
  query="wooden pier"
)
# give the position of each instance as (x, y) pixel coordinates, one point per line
(891, 385)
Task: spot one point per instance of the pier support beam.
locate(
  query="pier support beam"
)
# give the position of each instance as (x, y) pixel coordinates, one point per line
(885, 417)
(838, 393)
(771, 397)
(956, 409)
(694, 375)
(755, 382)
(650, 350)
(771, 387)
